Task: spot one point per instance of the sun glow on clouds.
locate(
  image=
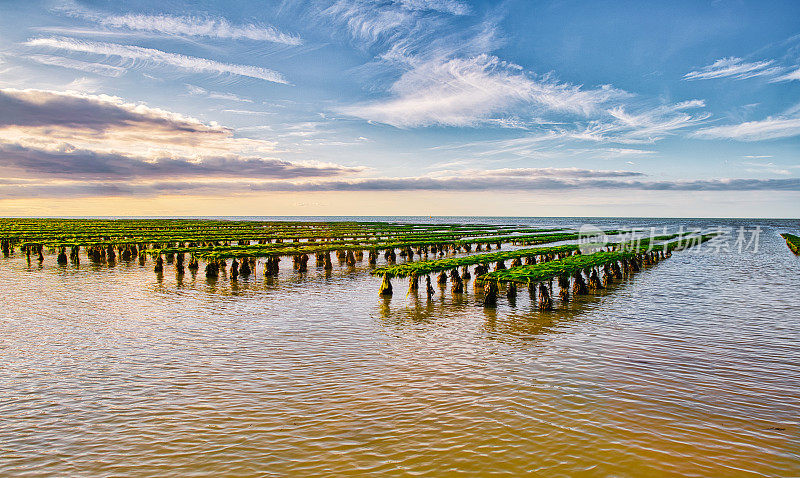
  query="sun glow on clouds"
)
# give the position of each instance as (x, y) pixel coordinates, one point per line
(45, 133)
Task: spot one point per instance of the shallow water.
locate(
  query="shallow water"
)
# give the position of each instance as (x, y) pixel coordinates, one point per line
(689, 368)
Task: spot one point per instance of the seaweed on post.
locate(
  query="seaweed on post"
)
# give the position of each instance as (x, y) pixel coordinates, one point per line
(792, 242)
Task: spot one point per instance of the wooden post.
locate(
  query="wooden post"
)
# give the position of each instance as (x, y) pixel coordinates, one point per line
(490, 294)
(594, 281)
(579, 285)
(179, 263)
(413, 283)
(458, 284)
(511, 290)
(607, 278)
(545, 303)
(234, 269)
(386, 286)
(563, 284)
(212, 269)
(244, 268)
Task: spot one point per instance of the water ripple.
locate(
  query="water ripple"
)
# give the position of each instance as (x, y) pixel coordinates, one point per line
(690, 368)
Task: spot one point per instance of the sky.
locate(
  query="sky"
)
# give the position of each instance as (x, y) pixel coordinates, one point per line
(400, 107)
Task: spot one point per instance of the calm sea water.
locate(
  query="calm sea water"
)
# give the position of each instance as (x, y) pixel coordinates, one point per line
(689, 368)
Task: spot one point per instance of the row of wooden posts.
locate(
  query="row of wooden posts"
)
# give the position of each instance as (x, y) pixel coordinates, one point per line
(127, 252)
(581, 283)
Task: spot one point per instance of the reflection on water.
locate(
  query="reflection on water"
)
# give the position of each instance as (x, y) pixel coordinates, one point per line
(689, 367)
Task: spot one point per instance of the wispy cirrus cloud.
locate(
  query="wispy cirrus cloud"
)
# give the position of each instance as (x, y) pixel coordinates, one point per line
(790, 76)
(203, 26)
(452, 7)
(197, 26)
(451, 79)
(785, 125)
(509, 173)
(733, 67)
(373, 22)
(607, 134)
(653, 124)
(215, 95)
(472, 91)
(769, 128)
(613, 153)
(736, 68)
(368, 21)
(157, 57)
(769, 167)
(85, 66)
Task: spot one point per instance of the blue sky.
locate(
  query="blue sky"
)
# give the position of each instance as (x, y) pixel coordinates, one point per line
(400, 107)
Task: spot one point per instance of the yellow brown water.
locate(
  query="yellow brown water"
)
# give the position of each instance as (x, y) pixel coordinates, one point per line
(689, 368)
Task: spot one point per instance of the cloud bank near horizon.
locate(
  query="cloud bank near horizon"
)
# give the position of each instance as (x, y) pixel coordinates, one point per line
(46, 134)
